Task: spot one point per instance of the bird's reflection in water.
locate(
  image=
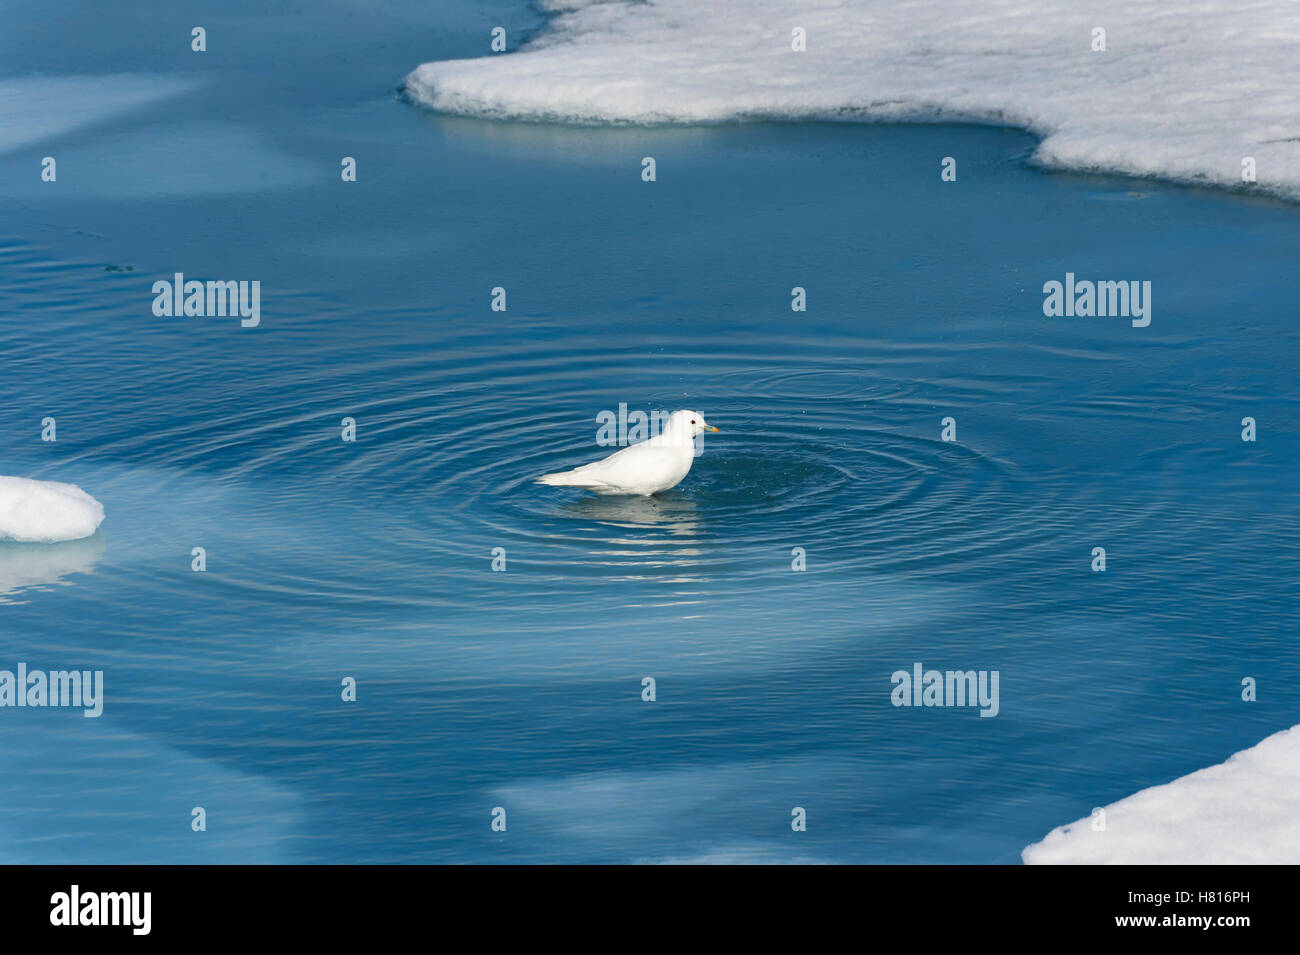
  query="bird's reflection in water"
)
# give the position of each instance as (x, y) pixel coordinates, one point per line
(672, 511)
(34, 565)
(637, 532)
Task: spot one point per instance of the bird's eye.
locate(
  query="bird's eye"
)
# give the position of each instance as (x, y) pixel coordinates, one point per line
(692, 421)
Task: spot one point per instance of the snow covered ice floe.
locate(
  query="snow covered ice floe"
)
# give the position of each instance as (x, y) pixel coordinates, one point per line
(1186, 95)
(37, 511)
(1246, 810)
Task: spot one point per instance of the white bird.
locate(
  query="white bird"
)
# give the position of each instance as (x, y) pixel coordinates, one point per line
(647, 467)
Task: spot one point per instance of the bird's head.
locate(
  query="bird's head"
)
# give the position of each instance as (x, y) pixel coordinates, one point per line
(689, 423)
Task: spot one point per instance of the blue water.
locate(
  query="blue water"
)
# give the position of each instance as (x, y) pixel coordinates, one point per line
(522, 689)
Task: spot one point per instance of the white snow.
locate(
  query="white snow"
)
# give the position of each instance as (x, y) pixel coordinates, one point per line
(1246, 810)
(1184, 92)
(46, 511)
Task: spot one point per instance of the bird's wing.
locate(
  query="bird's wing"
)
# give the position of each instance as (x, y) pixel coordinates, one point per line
(629, 466)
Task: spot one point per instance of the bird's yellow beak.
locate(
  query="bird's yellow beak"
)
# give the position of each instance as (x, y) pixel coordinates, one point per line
(709, 427)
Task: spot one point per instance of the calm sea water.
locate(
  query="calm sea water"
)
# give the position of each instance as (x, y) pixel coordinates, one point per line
(522, 689)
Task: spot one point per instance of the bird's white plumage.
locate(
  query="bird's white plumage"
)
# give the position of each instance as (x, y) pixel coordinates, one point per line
(646, 468)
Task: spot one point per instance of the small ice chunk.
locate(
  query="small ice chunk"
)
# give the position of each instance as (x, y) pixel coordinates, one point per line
(46, 511)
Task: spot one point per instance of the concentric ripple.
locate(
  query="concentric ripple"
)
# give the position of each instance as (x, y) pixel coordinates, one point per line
(830, 456)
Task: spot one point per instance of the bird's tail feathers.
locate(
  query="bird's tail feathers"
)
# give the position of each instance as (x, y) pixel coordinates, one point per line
(574, 478)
